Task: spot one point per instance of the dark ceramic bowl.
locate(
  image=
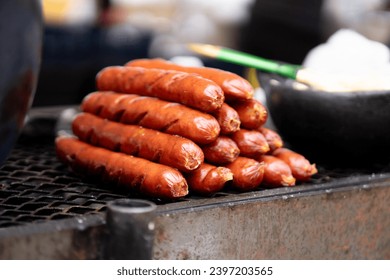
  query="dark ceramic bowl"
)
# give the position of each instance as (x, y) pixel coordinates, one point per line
(20, 57)
(351, 128)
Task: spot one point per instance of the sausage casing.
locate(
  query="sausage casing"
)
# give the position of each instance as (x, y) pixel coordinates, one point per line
(137, 174)
(233, 86)
(208, 179)
(252, 113)
(250, 142)
(247, 173)
(228, 119)
(184, 88)
(171, 150)
(301, 168)
(273, 138)
(149, 112)
(222, 151)
(276, 172)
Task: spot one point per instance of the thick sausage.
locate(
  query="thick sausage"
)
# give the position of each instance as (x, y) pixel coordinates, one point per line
(301, 168)
(149, 112)
(228, 119)
(276, 172)
(247, 173)
(208, 179)
(250, 142)
(252, 113)
(171, 150)
(273, 138)
(137, 174)
(188, 89)
(233, 86)
(223, 150)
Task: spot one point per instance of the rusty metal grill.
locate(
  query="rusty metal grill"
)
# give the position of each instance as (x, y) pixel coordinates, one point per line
(36, 187)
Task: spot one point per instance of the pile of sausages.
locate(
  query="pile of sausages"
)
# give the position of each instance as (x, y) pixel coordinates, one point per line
(165, 130)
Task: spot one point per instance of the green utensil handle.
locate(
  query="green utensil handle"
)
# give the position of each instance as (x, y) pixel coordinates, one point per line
(244, 59)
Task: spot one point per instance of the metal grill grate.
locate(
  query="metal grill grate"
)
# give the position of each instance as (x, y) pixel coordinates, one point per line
(36, 187)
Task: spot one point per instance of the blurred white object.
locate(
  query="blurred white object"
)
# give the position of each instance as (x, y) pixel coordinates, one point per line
(202, 21)
(347, 48)
(189, 61)
(348, 61)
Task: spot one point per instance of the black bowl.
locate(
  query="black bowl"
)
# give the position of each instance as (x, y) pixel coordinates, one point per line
(21, 27)
(345, 128)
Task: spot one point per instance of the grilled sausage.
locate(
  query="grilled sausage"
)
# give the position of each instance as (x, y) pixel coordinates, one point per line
(233, 86)
(171, 150)
(208, 179)
(301, 168)
(223, 150)
(187, 89)
(276, 172)
(247, 173)
(273, 138)
(137, 174)
(228, 119)
(149, 112)
(250, 142)
(252, 113)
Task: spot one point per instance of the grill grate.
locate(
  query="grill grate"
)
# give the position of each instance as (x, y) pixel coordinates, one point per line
(36, 187)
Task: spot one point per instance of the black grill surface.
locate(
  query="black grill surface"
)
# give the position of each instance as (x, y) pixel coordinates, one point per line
(35, 187)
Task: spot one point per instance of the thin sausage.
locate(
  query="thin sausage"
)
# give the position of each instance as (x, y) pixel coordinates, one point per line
(301, 168)
(273, 138)
(233, 86)
(252, 113)
(208, 179)
(250, 142)
(187, 89)
(247, 173)
(276, 172)
(149, 112)
(137, 174)
(228, 119)
(223, 150)
(171, 150)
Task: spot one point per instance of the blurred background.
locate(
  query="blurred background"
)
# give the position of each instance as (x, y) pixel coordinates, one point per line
(83, 36)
